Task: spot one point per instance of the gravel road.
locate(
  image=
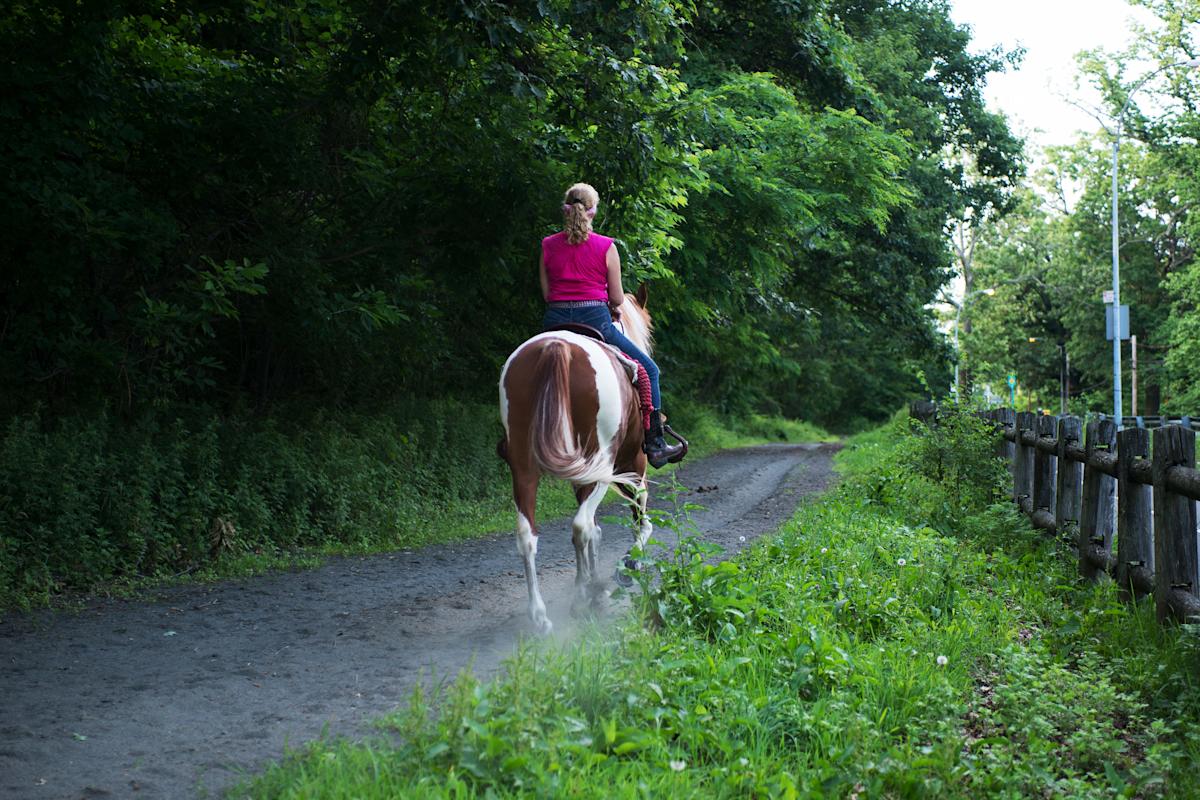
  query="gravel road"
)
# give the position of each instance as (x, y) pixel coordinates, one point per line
(181, 696)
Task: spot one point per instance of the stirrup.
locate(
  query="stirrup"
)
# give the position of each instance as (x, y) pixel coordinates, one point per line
(669, 431)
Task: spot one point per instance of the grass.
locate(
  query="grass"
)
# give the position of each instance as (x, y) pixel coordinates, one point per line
(867, 650)
(456, 521)
(707, 433)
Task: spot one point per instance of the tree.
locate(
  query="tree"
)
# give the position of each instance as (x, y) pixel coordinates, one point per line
(249, 205)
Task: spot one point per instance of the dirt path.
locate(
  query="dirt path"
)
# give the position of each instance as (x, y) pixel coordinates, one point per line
(177, 698)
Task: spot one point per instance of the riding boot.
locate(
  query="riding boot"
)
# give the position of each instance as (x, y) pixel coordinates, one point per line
(658, 452)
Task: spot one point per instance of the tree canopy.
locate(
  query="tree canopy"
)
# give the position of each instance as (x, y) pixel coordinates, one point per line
(245, 204)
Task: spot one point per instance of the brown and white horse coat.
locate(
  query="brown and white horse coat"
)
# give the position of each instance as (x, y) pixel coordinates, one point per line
(570, 411)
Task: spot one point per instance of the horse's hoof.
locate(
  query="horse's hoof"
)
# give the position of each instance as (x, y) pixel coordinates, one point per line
(542, 626)
(622, 577)
(600, 594)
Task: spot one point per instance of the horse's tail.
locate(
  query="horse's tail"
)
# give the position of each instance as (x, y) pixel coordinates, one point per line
(553, 441)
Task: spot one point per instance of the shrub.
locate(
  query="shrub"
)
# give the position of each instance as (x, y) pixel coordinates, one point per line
(943, 473)
(88, 501)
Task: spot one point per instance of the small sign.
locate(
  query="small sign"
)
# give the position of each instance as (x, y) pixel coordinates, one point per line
(1012, 380)
(1108, 296)
(1122, 320)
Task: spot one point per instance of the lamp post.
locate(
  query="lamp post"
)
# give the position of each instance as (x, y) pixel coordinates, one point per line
(1064, 377)
(958, 307)
(1116, 263)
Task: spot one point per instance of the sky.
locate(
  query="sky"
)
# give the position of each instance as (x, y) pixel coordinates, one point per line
(1052, 32)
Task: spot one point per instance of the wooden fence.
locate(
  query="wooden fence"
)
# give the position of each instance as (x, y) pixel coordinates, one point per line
(1087, 483)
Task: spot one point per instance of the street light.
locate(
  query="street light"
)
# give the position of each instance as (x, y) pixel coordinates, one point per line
(1192, 63)
(958, 307)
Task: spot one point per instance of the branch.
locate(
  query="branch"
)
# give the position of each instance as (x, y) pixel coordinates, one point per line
(1094, 112)
(362, 251)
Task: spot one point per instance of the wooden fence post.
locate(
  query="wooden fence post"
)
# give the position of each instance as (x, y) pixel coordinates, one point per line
(1135, 536)
(1069, 483)
(1023, 463)
(1044, 467)
(1099, 492)
(1008, 424)
(1174, 520)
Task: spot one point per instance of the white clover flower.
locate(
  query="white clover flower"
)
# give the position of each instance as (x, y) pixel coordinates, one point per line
(942, 661)
(678, 765)
(900, 562)
(824, 549)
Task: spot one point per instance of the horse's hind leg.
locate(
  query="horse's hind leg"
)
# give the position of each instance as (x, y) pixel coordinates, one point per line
(640, 517)
(525, 495)
(585, 535)
(638, 498)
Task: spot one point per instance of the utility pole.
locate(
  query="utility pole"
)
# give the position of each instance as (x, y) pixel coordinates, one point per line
(1064, 377)
(1191, 63)
(1133, 368)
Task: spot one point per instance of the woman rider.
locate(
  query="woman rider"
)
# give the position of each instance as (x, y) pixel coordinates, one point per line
(581, 282)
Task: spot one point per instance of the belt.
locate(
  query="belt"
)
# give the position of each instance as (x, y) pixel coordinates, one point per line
(577, 303)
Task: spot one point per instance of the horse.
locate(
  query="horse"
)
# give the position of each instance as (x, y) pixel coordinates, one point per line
(570, 411)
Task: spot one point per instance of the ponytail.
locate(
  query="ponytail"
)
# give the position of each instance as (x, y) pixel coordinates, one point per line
(579, 206)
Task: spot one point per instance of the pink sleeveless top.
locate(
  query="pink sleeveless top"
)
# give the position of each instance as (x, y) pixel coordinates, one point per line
(576, 271)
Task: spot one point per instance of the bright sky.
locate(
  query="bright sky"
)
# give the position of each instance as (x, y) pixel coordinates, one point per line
(1052, 32)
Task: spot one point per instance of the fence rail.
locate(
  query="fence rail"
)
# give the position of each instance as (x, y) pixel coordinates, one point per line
(1156, 421)
(1092, 483)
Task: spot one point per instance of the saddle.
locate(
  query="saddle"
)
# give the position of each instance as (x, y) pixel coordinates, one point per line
(628, 362)
(580, 328)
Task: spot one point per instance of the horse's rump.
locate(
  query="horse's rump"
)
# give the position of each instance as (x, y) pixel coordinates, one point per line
(567, 409)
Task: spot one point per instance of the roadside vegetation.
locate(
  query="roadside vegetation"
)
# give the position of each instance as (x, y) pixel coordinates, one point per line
(100, 506)
(906, 636)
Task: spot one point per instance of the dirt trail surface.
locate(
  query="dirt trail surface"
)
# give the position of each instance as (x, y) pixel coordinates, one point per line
(182, 696)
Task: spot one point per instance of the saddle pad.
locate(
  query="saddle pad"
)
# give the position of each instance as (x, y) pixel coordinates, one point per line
(625, 360)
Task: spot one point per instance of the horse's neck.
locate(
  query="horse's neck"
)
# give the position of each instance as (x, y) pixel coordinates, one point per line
(636, 331)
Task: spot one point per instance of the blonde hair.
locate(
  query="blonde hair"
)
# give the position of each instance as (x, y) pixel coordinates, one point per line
(577, 202)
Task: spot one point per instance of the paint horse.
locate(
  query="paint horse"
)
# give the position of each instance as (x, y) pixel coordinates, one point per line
(570, 410)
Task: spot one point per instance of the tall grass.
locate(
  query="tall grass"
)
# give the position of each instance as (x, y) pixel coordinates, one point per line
(861, 652)
(99, 503)
(85, 502)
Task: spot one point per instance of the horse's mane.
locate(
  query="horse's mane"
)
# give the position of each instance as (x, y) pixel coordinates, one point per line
(638, 327)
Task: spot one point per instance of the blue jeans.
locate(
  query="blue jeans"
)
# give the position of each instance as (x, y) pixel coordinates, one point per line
(599, 318)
